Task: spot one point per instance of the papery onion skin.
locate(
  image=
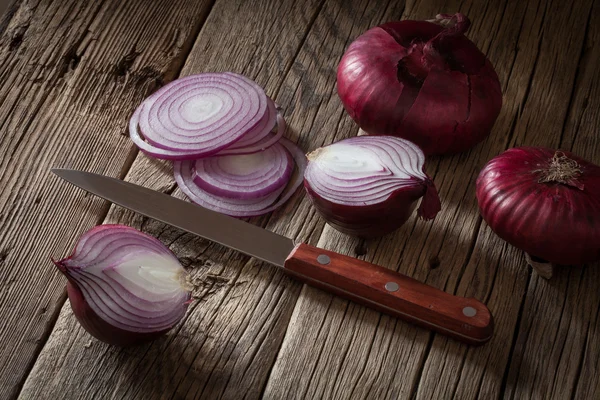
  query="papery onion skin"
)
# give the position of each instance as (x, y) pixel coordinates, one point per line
(422, 82)
(100, 329)
(101, 248)
(368, 221)
(557, 222)
(382, 217)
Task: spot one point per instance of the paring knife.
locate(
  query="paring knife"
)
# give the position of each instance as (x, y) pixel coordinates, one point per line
(465, 319)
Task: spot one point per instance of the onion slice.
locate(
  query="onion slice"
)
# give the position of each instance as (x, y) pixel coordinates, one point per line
(242, 207)
(124, 286)
(368, 185)
(244, 176)
(255, 139)
(199, 115)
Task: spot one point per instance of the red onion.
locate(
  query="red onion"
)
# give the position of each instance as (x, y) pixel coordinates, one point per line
(422, 82)
(368, 185)
(545, 202)
(124, 286)
(246, 185)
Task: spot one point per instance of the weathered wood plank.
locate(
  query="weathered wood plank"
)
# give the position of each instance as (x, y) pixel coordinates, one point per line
(232, 333)
(557, 349)
(335, 349)
(64, 68)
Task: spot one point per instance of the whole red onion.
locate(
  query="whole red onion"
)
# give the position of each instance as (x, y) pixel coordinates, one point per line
(423, 82)
(545, 202)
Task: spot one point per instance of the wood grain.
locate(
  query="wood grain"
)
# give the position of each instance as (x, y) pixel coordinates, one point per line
(252, 331)
(68, 71)
(334, 349)
(228, 342)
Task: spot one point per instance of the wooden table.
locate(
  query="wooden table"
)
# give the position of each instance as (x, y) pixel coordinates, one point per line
(73, 72)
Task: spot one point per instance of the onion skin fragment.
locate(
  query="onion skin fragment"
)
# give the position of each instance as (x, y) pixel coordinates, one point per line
(551, 216)
(423, 82)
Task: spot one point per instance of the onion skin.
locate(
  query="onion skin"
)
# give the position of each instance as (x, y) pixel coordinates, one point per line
(99, 328)
(368, 221)
(557, 222)
(422, 82)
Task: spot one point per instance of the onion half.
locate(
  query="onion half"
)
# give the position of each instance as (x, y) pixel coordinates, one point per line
(125, 287)
(422, 81)
(545, 202)
(368, 186)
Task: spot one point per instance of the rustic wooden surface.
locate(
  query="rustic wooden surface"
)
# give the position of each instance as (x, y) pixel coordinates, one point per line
(74, 71)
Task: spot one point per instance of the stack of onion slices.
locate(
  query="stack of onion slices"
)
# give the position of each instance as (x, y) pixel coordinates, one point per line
(225, 137)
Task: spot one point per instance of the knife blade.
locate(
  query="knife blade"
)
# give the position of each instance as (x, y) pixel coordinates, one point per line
(465, 319)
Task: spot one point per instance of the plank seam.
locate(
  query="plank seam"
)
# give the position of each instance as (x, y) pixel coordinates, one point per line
(582, 361)
(577, 72)
(513, 345)
(314, 369)
(417, 380)
(300, 45)
(364, 367)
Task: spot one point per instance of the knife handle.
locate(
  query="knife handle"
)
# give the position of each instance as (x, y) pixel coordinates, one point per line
(464, 319)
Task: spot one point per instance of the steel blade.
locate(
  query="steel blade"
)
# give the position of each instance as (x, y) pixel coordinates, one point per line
(231, 232)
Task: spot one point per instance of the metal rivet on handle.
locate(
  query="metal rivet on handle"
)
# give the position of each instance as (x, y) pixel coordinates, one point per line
(323, 259)
(469, 311)
(392, 286)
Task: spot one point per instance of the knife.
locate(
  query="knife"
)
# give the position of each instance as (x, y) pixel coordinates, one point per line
(465, 319)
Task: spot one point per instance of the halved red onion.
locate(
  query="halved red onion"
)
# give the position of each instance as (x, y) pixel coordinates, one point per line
(124, 286)
(199, 115)
(368, 185)
(261, 202)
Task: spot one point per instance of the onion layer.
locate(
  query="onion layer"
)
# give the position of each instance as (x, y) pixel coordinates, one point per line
(124, 286)
(423, 82)
(368, 186)
(545, 202)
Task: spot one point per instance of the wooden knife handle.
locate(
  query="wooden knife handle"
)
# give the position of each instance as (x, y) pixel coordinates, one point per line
(465, 319)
